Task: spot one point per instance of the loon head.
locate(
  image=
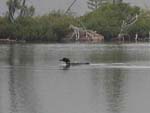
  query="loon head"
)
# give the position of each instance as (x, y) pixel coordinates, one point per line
(66, 60)
(67, 63)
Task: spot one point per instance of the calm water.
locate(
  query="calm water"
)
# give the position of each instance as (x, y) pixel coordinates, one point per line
(32, 79)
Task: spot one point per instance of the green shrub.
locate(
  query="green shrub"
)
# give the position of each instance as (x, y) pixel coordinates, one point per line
(107, 19)
(47, 28)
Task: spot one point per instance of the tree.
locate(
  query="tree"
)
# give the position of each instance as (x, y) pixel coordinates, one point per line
(117, 1)
(13, 5)
(95, 4)
(18, 8)
(142, 26)
(107, 19)
(26, 11)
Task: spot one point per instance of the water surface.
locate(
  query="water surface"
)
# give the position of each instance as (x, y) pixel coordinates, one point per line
(32, 79)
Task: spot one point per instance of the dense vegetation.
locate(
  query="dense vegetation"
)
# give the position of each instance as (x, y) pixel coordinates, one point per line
(53, 27)
(47, 28)
(108, 19)
(142, 26)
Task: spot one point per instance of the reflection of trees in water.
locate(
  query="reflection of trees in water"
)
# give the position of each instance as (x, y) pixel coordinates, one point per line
(113, 84)
(110, 54)
(20, 81)
(108, 90)
(113, 79)
(20, 55)
(97, 97)
(120, 53)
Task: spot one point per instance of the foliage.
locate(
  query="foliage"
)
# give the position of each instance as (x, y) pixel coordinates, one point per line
(142, 26)
(107, 19)
(47, 28)
(53, 27)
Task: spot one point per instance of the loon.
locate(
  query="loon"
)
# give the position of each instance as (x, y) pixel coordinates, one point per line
(69, 63)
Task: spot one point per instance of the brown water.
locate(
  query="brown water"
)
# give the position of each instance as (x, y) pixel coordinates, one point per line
(32, 79)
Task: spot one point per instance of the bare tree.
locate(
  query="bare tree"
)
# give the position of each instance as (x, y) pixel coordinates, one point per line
(94, 4)
(25, 10)
(117, 1)
(126, 24)
(13, 5)
(19, 8)
(70, 6)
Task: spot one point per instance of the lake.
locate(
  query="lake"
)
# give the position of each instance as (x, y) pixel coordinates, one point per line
(32, 79)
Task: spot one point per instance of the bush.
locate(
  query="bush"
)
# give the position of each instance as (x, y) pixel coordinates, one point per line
(47, 28)
(141, 27)
(107, 19)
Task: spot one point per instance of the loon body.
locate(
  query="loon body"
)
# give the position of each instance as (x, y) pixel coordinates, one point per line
(69, 63)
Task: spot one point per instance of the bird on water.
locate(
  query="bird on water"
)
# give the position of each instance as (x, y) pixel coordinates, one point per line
(68, 63)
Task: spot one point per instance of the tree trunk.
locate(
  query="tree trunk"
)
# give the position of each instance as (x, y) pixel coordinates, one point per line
(22, 11)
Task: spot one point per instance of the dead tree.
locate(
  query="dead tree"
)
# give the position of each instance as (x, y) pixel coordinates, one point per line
(76, 31)
(69, 8)
(81, 34)
(125, 26)
(18, 8)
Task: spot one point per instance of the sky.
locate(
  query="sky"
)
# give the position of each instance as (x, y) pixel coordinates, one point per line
(80, 7)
